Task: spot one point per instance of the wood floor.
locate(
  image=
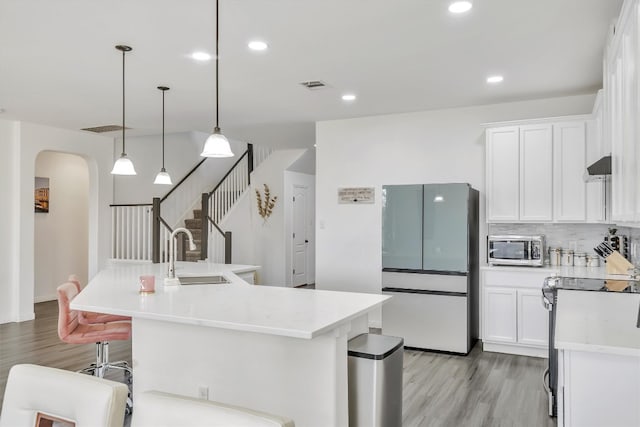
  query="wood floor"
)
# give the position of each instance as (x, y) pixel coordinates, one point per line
(482, 389)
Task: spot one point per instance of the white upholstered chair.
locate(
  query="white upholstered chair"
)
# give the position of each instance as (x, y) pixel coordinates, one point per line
(34, 392)
(158, 409)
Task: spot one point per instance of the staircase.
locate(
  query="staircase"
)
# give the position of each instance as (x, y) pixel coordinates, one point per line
(194, 225)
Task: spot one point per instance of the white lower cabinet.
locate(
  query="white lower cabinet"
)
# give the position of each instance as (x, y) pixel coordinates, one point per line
(533, 318)
(500, 315)
(513, 318)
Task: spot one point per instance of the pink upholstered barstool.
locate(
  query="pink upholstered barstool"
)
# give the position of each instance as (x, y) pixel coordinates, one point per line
(71, 331)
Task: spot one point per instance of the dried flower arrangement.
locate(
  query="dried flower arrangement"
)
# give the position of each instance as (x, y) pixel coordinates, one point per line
(265, 207)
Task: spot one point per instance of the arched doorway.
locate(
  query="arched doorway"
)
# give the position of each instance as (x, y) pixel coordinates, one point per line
(61, 235)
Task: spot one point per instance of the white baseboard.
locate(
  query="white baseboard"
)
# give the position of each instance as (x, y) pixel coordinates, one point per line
(30, 316)
(515, 349)
(43, 298)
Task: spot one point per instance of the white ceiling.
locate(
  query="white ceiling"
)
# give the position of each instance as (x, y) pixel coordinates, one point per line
(58, 64)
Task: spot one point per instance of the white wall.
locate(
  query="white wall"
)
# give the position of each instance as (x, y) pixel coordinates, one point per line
(23, 142)
(278, 136)
(414, 148)
(257, 241)
(306, 163)
(238, 220)
(62, 234)
(270, 234)
(9, 217)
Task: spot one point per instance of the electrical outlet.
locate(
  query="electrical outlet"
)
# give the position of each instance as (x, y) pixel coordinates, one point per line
(203, 392)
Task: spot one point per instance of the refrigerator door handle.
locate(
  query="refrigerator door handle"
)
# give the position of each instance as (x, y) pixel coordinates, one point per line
(424, 292)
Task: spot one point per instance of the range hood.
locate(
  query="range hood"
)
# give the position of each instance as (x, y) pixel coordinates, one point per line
(601, 167)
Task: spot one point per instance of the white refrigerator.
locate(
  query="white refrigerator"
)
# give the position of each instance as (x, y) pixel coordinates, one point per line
(430, 265)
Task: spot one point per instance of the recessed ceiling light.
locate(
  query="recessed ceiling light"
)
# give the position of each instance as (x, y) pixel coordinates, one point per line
(495, 79)
(257, 45)
(348, 97)
(201, 56)
(460, 6)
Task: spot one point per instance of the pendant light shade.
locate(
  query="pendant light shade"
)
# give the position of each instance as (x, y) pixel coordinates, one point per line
(217, 145)
(123, 166)
(163, 177)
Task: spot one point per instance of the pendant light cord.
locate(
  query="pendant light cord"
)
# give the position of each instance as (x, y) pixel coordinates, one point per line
(163, 129)
(123, 126)
(217, 60)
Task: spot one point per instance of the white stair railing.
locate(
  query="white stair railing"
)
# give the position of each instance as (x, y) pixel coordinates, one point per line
(228, 191)
(216, 248)
(131, 232)
(165, 236)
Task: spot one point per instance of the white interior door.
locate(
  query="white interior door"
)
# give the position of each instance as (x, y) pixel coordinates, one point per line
(300, 238)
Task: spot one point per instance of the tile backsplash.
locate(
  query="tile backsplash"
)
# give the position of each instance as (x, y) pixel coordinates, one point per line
(579, 237)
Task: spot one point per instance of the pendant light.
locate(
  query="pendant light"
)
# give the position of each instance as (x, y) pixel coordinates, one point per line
(163, 177)
(217, 144)
(123, 166)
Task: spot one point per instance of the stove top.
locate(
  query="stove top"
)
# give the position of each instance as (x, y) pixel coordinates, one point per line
(597, 285)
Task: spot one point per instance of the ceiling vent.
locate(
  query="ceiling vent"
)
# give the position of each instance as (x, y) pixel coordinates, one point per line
(103, 129)
(314, 84)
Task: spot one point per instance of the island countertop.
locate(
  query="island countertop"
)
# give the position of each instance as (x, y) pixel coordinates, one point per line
(603, 322)
(298, 313)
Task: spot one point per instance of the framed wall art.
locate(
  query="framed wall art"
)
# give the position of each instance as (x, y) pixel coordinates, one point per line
(41, 194)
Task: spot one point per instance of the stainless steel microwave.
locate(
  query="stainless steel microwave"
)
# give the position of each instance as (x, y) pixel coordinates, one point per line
(515, 250)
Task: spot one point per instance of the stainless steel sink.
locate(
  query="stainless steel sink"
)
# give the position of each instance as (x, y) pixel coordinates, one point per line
(203, 280)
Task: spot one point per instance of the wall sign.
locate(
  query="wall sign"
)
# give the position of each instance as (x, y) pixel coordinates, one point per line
(357, 195)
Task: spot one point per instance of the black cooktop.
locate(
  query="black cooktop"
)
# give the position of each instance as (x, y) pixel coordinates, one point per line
(598, 285)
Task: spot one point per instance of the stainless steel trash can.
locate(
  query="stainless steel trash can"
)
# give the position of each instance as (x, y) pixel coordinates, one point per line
(375, 381)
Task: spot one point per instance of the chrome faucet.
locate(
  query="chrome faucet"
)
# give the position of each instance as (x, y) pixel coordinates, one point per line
(171, 273)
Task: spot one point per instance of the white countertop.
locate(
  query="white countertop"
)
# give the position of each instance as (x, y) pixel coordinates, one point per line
(299, 313)
(603, 322)
(563, 271)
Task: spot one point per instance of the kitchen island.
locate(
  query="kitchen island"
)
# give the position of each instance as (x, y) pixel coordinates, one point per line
(280, 350)
(598, 341)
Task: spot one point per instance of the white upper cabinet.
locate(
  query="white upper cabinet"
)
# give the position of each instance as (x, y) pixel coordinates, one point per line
(621, 110)
(536, 179)
(503, 174)
(569, 163)
(535, 172)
